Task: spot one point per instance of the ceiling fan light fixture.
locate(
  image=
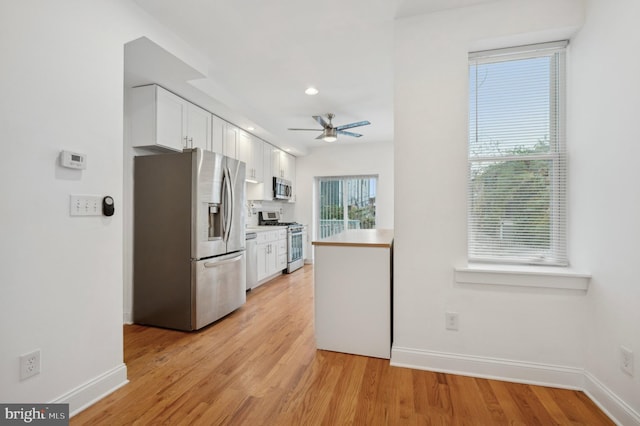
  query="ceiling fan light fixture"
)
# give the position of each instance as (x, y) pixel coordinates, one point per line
(330, 135)
(311, 91)
(329, 132)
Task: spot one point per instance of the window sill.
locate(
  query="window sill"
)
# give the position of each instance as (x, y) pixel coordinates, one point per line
(523, 276)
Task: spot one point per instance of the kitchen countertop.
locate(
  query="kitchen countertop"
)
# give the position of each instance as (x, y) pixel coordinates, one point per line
(359, 238)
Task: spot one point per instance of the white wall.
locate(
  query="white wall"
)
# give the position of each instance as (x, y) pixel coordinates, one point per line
(61, 85)
(340, 160)
(530, 332)
(61, 81)
(521, 334)
(605, 207)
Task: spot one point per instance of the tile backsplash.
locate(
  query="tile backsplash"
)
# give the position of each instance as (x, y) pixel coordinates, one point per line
(254, 206)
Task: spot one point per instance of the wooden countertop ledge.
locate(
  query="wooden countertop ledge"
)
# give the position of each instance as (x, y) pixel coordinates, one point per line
(359, 238)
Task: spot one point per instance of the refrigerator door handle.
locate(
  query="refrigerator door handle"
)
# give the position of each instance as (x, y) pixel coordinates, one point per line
(215, 263)
(226, 213)
(229, 202)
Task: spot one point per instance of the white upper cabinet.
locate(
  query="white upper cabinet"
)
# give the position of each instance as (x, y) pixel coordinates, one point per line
(217, 133)
(163, 120)
(250, 150)
(258, 164)
(264, 190)
(156, 118)
(275, 166)
(229, 146)
(284, 165)
(275, 163)
(198, 129)
(243, 149)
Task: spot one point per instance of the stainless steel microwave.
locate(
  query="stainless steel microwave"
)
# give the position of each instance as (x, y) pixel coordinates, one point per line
(282, 189)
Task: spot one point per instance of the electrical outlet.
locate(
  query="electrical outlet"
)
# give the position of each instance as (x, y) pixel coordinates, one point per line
(30, 364)
(626, 360)
(451, 320)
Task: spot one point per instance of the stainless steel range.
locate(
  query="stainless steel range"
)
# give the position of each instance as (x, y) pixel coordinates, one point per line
(295, 232)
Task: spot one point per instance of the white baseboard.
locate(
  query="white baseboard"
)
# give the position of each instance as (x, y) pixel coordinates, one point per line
(89, 393)
(267, 279)
(489, 368)
(519, 372)
(618, 410)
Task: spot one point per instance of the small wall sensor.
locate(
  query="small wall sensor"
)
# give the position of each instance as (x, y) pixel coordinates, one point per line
(73, 160)
(107, 206)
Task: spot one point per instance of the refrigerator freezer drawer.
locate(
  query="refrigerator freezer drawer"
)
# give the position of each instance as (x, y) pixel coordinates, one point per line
(220, 287)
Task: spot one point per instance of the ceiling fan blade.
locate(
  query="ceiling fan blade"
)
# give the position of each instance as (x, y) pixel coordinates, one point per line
(313, 130)
(320, 121)
(321, 136)
(342, 132)
(351, 125)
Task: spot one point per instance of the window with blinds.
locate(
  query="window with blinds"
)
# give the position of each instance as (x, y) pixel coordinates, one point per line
(346, 202)
(517, 160)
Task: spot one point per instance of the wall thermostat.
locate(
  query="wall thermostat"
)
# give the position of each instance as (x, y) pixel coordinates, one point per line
(73, 160)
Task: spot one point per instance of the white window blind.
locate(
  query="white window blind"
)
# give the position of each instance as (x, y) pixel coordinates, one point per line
(517, 160)
(346, 202)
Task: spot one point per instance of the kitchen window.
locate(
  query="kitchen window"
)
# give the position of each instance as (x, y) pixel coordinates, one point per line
(345, 202)
(517, 159)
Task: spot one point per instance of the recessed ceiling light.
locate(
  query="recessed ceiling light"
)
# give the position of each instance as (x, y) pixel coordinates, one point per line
(311, 91)
(251, 128)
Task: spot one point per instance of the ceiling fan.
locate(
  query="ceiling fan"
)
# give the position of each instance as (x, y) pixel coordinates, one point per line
(330, 133)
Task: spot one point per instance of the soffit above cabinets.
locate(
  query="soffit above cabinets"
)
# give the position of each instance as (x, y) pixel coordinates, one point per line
(263, 55)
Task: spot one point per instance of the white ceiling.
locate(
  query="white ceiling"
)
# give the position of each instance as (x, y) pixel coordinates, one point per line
(263, 54)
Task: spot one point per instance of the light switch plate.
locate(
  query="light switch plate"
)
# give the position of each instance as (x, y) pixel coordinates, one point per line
(85, 205)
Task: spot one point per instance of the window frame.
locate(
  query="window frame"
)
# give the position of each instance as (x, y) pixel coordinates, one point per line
(341, 178)
(557, 155)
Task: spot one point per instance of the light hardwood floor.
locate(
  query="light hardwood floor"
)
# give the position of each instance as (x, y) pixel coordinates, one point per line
(259, 366)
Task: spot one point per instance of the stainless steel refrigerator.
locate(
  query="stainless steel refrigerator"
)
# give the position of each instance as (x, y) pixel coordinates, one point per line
(189, 239)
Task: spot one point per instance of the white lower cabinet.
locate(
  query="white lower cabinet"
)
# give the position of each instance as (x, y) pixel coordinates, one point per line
(281, 253)
(265, 259)
(272, 253)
